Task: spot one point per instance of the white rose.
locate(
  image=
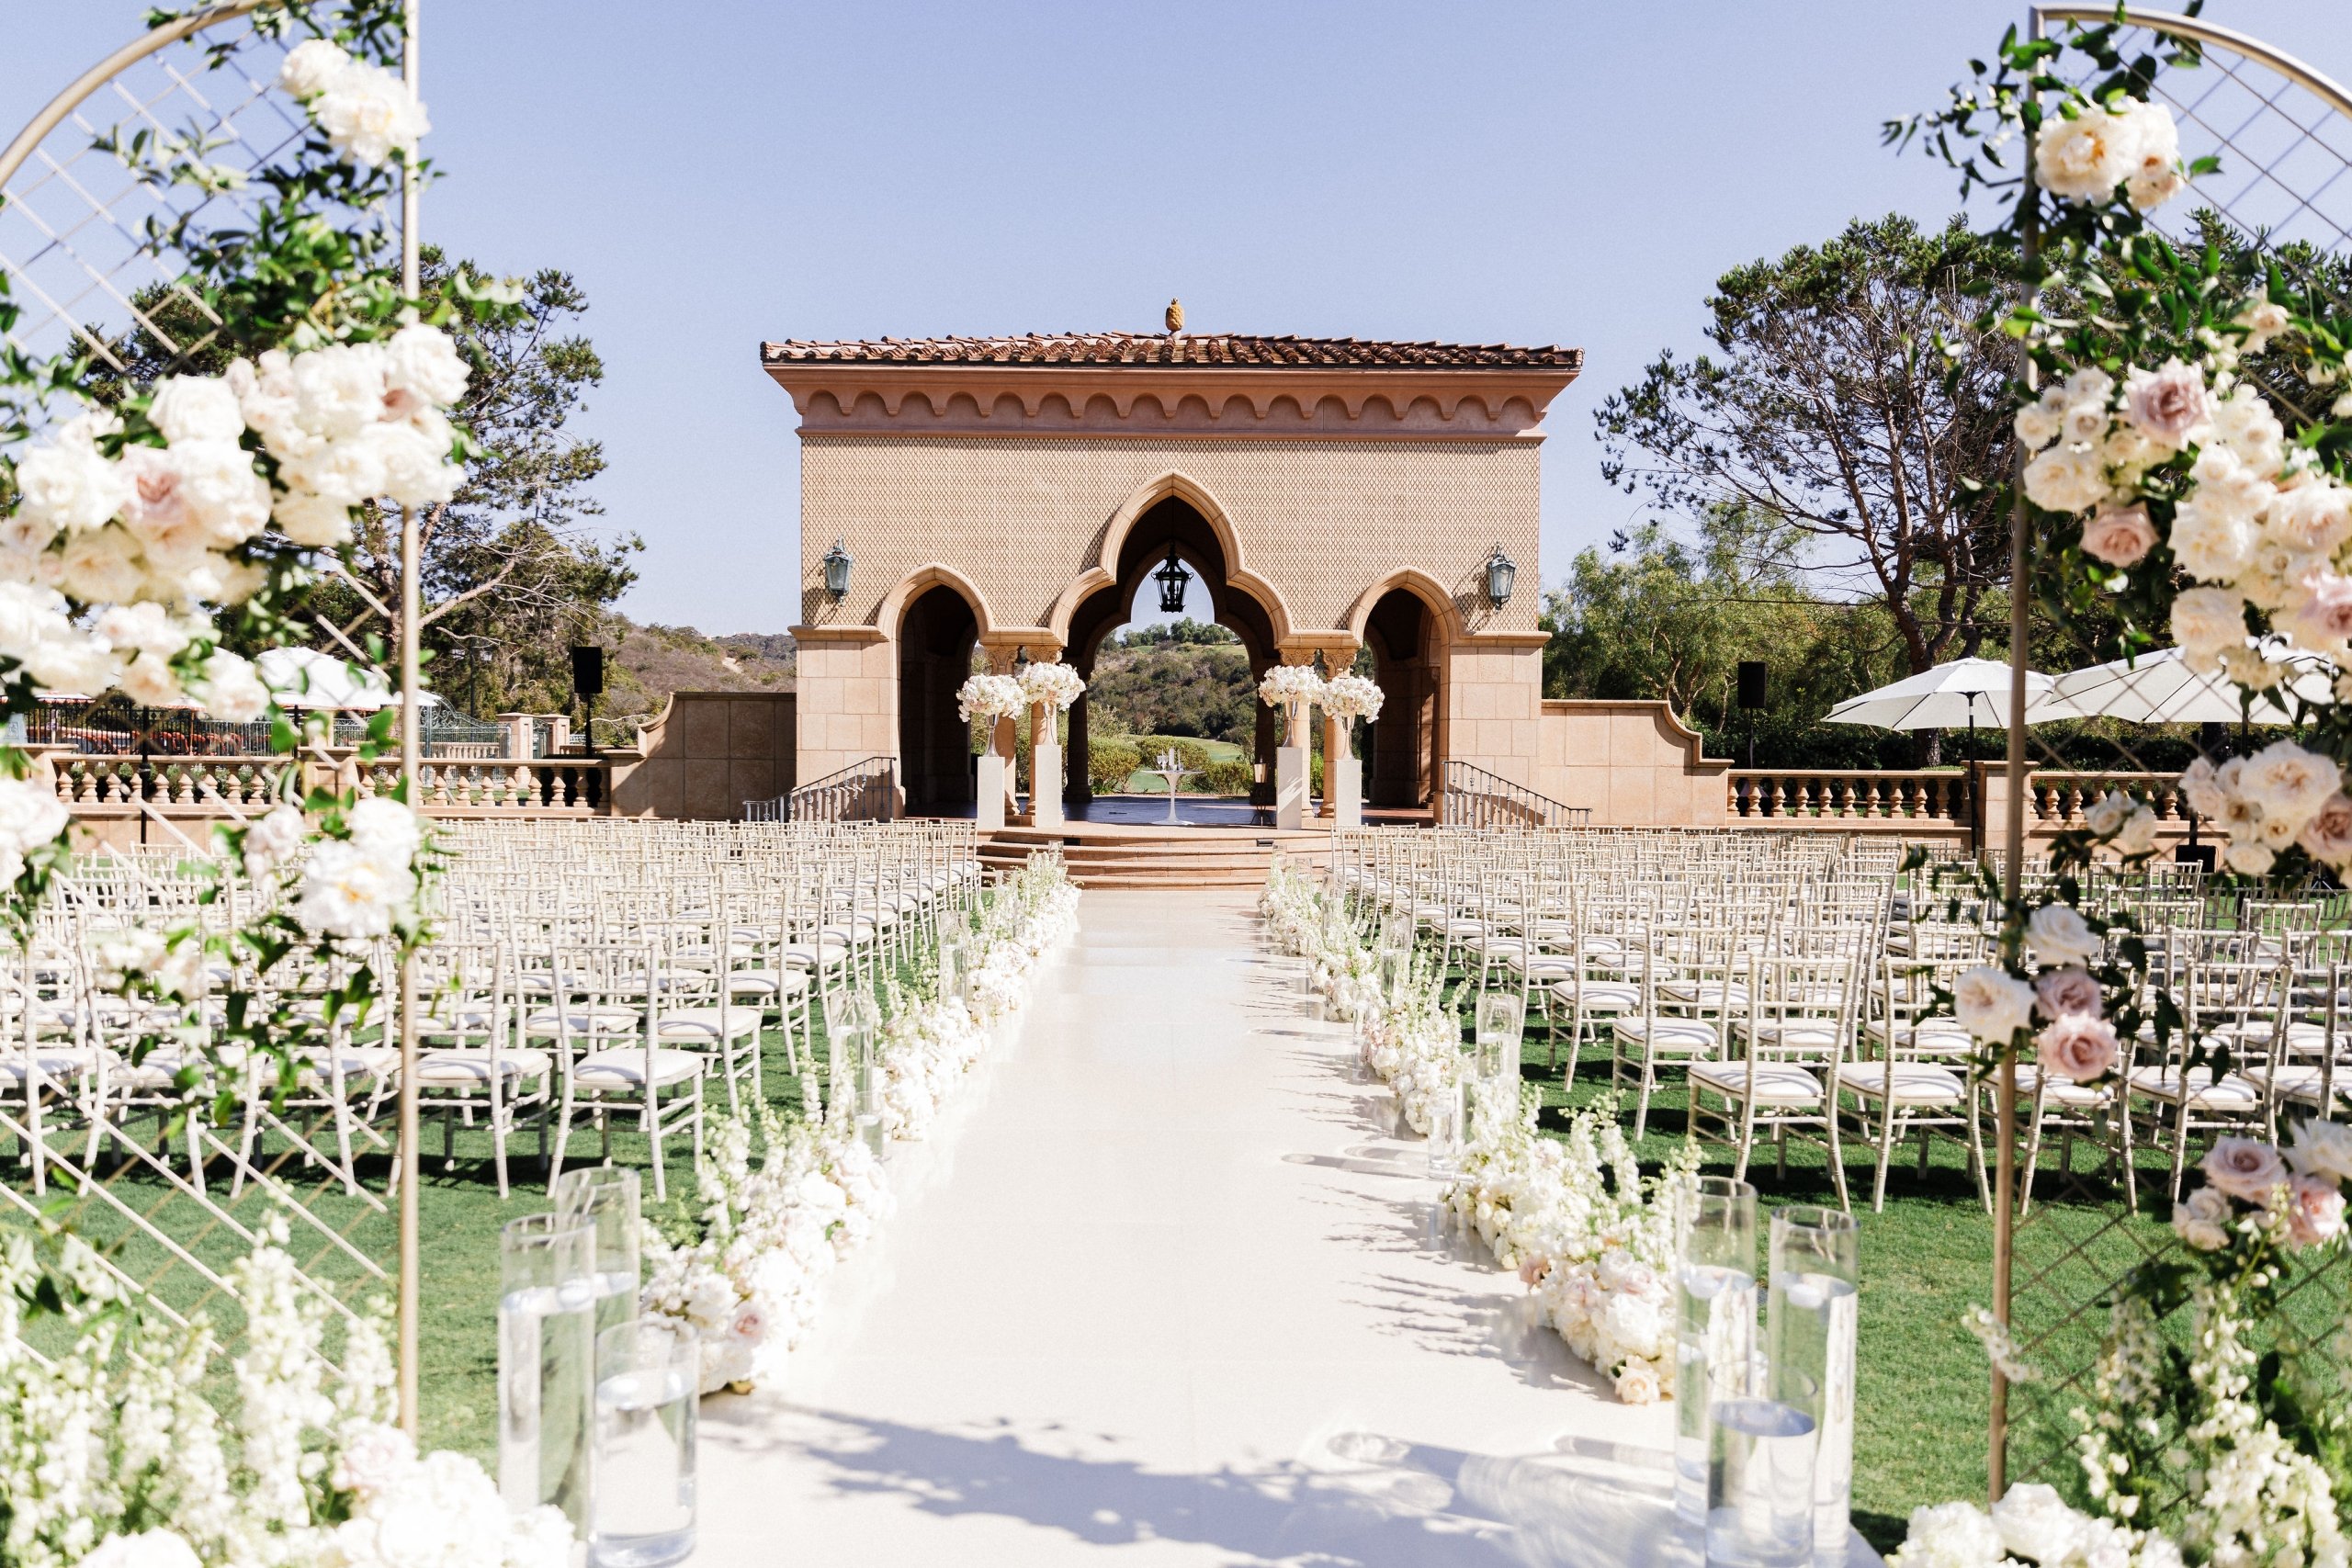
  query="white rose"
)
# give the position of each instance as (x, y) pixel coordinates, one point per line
(384, 829)
(2086, 157)
(2037, 1524)
(2249, 857)
(101, 566)
(1637, 1381)
(273, 840)
(415, 466)
(231, 691)
(2212, 543)
(425, 360)
(151, 1549)
(142, 629)
(2059, 935)
(2322, 1148)
(68, 486)
(310, 66)
(2207, 620)
(30, 814)
(2065, 479)
(367, 114)
(148, 682)
(2036, 426)
(2138, 834)
(347, 893)
(2289, 783)
(72, 662)
(28, 616)
(1991, 1003)
(2087, 384)
(314, 522)
(221, 487)
(1949, 1535)
(339, 389)
(2156, 175)
(196, 408)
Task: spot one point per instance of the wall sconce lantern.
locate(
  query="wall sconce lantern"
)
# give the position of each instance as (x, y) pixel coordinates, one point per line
(1173, 580)
(837, 565)
(1502, 577)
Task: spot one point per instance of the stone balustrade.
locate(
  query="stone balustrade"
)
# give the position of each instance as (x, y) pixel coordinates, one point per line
(1806, 797)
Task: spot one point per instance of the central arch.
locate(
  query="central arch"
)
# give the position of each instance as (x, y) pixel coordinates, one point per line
(1102, 599)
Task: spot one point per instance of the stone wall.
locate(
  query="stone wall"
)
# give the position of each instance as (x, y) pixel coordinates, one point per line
(708, 753)
(1633, 763)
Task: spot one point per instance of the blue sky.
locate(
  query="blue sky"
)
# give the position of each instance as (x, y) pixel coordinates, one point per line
(721, 171)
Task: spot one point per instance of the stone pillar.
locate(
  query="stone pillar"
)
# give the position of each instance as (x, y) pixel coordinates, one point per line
(1045, 766)
(518, 736)
(1079, 790)
(1335, 746)
(559, 732)
(1003, 741)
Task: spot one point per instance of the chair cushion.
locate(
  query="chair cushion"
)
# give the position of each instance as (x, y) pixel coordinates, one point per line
(581, 1022)
(1704, 993)
(625, 1069)
(2064, 1094)
(1916, 1083)
(706, 1024)
(1668, 1033)
(469, 1066)
(2232, 1093)
(1598, 995)
(1791, 1034)
(1775, 1084)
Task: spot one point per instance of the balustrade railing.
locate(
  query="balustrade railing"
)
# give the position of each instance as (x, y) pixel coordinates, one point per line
(1847, 795)
(863, 792)
(576, 784)
(2060, 798)
(1473, 797)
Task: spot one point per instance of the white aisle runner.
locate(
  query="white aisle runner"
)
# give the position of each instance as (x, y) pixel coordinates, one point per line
(1159, 1292)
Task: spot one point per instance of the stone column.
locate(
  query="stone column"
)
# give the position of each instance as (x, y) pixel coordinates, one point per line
(1335, 745)
(1079, 790)
(518, 736)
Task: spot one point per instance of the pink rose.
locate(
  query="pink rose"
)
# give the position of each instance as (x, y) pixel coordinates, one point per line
(2069, 990)
(2328, 835)
(2243, 1168)
(2323, 613)
(1532, 1273)
(749, 1325)
(2119, 535)
(2077, 1047)
(2167, 405)
(2314, 1210)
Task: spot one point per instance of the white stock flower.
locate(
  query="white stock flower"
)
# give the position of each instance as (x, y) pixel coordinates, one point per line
(1991, 1003)
(310, 66)
(196, 408)
(346, 892)
(425, 360)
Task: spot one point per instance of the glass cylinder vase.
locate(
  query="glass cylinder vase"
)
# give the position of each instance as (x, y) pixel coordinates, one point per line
(608, 1198)
(647, 1374)
(1496, 1030)
(1714, 1297)
(1811, 1320)
(546, 1347)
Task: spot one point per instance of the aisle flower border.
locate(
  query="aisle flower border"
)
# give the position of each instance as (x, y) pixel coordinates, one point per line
(1590, 1238)
(744, 1272)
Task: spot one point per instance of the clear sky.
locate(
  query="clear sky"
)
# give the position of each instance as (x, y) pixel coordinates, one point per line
(716, 171)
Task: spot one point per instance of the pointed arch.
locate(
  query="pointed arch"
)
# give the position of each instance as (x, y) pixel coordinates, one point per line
(1104, 573)
(1423, 586)
(891, 615)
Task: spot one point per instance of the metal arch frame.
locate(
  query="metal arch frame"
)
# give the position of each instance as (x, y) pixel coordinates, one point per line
(2326, 88)
(36, 131)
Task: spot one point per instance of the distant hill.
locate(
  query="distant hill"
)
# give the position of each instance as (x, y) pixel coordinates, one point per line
(646, 663)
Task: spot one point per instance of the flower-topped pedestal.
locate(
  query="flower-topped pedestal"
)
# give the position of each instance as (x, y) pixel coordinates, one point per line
(1291, 690)
(1050, 690)
(996, 698)
(1346, 698)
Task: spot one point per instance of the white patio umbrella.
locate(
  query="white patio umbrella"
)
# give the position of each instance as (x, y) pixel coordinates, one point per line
(305, 678)
(1946, 697)
(2158, 688)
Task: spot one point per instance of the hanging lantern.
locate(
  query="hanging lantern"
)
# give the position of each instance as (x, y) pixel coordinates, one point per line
(837, 564)
(1173, 580)
(1502, 577)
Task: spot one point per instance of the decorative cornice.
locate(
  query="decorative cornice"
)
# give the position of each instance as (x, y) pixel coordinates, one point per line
(860, 398)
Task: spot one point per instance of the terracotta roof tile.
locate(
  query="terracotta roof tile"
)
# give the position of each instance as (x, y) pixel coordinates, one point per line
(1225, 350)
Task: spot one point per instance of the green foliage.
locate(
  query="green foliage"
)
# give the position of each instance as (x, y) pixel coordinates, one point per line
(1189, 753)
(1111, 761)
(1204, 634)
(1228, 776)
(1192, 685)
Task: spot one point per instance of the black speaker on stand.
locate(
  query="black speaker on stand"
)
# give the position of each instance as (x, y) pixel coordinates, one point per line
(1751, 699)
(588, 685)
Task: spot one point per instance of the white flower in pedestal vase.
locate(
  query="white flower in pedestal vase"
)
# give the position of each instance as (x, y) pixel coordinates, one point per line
(989, 697)
(1348, 697)
(1057, 685)
(1286, 685)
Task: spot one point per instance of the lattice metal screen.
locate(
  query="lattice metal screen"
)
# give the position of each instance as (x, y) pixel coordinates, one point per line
(2284, 190)
(88, 254)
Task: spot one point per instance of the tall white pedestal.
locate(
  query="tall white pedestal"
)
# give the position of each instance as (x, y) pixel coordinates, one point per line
(1290, 786)
(991, 792)
(1346, 783)
(1046, 786)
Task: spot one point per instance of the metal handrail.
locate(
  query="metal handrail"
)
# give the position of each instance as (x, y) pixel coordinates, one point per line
(1477, 798)
(864, 791)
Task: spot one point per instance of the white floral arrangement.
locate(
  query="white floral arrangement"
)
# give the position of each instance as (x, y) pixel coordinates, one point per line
(2089, 148)
(1286, 685)
(1352, 696)
(1589, 1237)
(1056, 684)
(2030, 1524)
(111, 1452)
(367, 112)
(745, 1281)
(990, 697)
